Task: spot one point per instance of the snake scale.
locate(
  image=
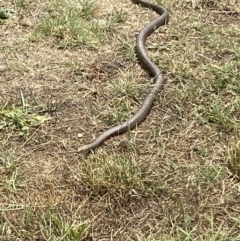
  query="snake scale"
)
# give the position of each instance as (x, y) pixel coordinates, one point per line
(153, 70)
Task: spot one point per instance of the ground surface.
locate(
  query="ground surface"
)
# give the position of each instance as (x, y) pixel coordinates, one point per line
(68, 71)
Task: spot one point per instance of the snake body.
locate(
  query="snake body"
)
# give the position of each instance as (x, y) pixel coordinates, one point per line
(153, 70)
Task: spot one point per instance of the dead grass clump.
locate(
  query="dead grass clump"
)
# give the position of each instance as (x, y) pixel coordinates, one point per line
(233, 156)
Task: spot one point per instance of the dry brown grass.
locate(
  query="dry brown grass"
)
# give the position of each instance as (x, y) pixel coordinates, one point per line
(174, 178)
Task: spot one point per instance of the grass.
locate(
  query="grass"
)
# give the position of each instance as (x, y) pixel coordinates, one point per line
(70, 24)
(68, 72)
(110, 175)
(19, 120)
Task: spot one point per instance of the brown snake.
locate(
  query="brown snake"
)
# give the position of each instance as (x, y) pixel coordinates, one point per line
(153, 70)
